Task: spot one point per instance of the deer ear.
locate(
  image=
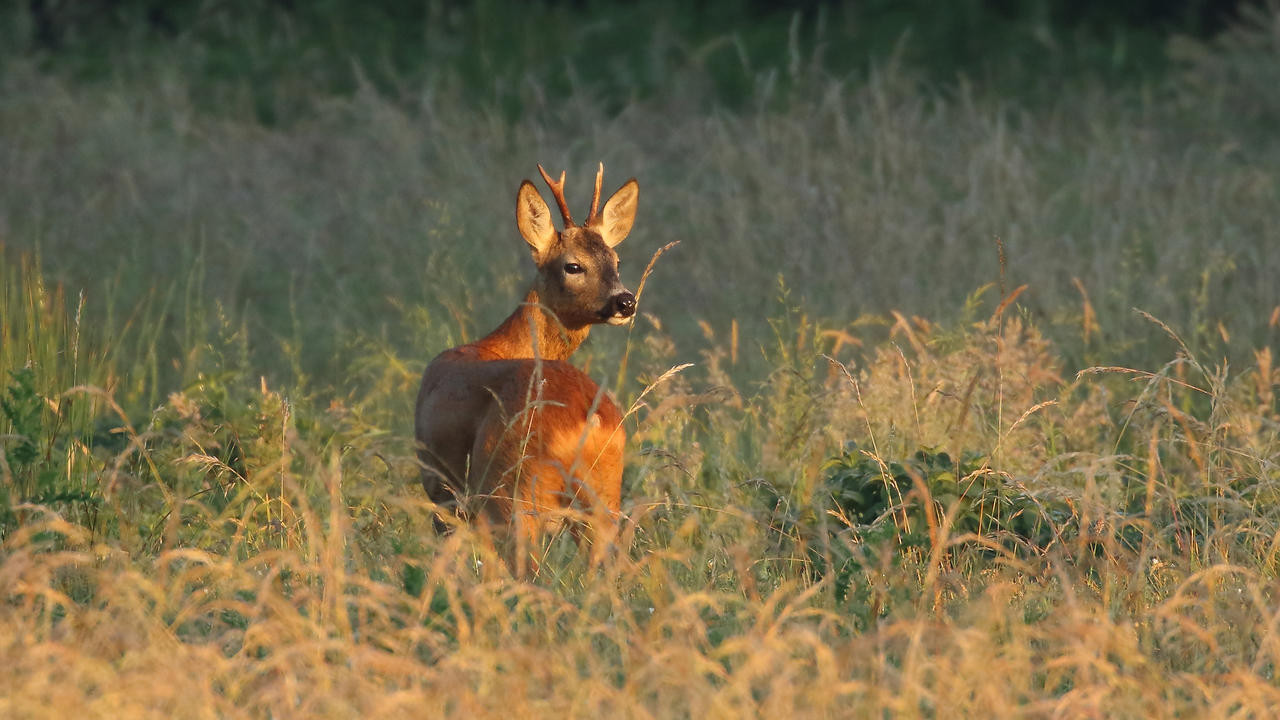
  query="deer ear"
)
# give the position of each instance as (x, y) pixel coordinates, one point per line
(619, 213)
(533, 217)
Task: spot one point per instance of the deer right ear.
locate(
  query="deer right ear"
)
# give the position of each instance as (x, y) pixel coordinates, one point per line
(533, 217)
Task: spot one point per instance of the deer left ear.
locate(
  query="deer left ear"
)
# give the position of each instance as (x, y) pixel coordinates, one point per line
(619, 214)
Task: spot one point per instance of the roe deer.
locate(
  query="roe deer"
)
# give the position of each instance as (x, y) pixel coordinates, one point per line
(506, 429)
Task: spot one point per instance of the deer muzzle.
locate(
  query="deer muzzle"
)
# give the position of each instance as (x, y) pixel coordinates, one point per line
(621, 308)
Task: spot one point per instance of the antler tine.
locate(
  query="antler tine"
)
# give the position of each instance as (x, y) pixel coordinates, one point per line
(595, 198)
(557, 189)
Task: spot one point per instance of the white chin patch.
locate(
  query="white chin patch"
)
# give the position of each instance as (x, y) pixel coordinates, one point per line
(618, 320)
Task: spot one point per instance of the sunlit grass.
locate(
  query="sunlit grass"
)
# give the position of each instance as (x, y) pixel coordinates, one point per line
(240, 554)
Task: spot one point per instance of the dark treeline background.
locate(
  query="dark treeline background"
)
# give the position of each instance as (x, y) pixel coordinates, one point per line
(622, 51)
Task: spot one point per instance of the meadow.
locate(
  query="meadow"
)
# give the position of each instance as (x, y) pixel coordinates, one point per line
(956, 397)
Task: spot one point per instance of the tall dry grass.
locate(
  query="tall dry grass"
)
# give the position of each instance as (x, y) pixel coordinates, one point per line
(246, 555)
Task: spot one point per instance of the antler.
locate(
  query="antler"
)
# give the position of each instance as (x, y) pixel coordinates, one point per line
(557, 189)
(595, 199)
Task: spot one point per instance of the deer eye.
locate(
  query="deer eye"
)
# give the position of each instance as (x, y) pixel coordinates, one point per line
(572, 268)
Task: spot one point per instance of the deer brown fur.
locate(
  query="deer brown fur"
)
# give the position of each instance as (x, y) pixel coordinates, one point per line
(508, 432)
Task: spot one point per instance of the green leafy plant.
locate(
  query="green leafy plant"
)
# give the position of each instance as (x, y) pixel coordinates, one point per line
(902, 507)
(29, 475)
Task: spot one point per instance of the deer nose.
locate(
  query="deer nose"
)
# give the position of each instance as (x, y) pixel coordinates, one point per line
(624, 305)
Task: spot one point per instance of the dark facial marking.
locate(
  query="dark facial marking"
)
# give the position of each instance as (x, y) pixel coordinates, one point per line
(605, 259)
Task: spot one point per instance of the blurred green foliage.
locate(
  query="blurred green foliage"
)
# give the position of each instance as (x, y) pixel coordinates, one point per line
(336, 174)
(619, 51)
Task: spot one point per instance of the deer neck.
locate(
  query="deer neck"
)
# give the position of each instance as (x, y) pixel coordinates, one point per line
(532, 331)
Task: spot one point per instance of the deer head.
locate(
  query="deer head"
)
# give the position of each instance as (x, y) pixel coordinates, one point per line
(577, 267)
